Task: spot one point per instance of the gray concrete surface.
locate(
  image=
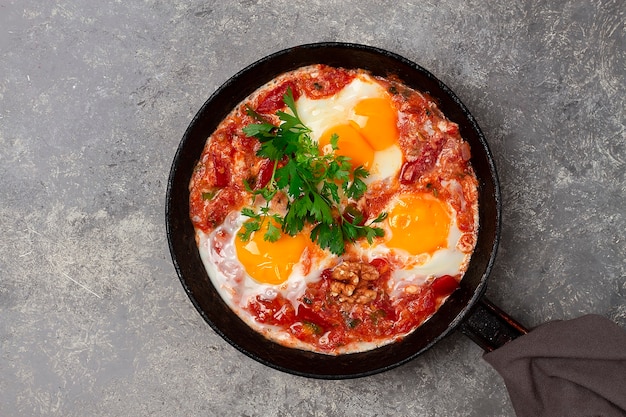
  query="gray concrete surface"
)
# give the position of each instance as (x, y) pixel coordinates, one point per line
(94, 99)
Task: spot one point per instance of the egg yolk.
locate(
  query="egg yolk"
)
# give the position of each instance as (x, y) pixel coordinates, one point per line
(373, 129)
(270, 262)
(350, 143)
(381, 127)
(419, 224)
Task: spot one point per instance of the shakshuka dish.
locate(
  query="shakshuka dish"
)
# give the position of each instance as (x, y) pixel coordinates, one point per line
(334, 210)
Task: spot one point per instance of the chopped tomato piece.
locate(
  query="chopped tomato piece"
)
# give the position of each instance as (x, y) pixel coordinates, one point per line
(381, 265)
(222, 170)
(273, 101)
(412, 171)
(444, 285)
(265, 174)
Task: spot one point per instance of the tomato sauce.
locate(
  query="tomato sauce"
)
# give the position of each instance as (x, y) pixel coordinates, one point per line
(328, 324)
(435, 160)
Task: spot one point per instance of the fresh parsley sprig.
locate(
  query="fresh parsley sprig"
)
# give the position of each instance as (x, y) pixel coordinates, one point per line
(313, 182)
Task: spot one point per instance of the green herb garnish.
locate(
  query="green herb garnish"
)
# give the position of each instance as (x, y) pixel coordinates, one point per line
(312, 183)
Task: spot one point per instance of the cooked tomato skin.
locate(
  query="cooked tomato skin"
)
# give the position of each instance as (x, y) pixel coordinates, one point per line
(444, 285)
(217, 186)
(411, 171)
(326, 82)
(210, 213)
(382, 266)
(276, 312)
(221, 167)
(272, 101)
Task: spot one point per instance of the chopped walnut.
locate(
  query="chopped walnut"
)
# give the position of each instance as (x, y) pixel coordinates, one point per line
(337, 287)
(369, 273)
(350, 282)
(361, 296)
(364, 296)
(347, 272)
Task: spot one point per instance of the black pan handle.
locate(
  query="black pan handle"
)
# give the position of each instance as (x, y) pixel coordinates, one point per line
(490, 327)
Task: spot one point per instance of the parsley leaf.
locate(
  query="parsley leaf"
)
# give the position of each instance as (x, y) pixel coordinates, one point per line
(357, 188)
(311, 181)
(273, 232)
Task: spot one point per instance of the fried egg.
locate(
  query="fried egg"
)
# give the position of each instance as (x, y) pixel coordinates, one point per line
(422, 239)
(365, 120)
(243, 270)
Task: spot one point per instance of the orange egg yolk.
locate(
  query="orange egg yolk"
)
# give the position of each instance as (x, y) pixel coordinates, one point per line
(419, 224)
(270, 262)
(351, 144)
(381, 128)
(360, 143)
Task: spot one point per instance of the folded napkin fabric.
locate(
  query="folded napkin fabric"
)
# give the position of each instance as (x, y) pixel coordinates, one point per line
(571, 368)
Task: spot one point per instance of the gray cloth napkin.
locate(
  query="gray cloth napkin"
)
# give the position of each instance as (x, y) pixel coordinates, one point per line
(572, 368)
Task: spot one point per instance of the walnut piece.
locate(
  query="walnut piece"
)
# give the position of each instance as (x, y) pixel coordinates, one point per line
(347, 272)
(369, 273)
(337, 287)
(364, 296)
(351, 282)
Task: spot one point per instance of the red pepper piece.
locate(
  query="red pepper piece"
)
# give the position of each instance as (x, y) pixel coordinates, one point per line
(222, 171)
(444, 285)
(265, 174)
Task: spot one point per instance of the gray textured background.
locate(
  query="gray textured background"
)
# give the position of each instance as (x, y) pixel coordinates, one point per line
(94, 99)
